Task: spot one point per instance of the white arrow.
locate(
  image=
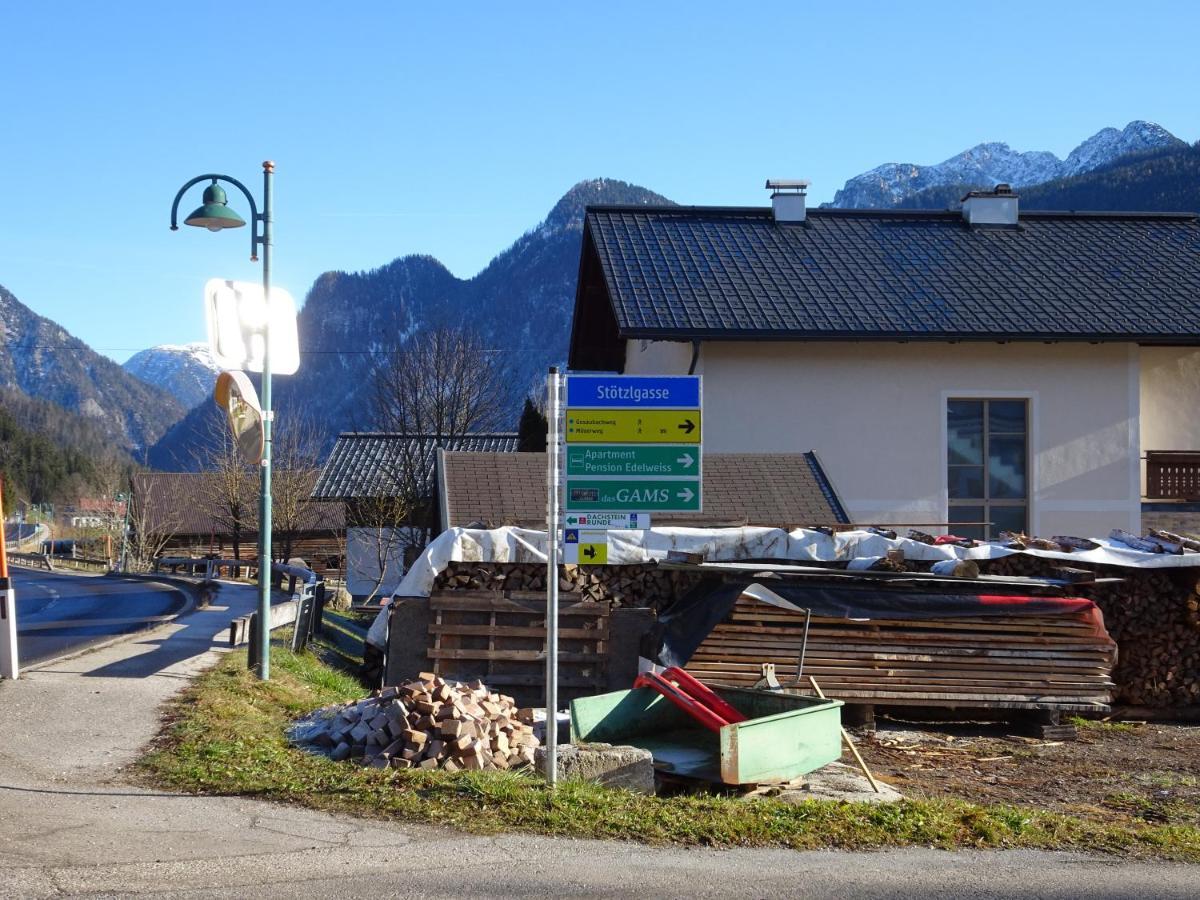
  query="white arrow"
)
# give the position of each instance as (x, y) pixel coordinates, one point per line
(685, 495)
(686, 460)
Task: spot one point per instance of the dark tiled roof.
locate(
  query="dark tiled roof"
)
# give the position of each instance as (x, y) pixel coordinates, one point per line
(363, 464)
(783, 489)
(733, 274)
(182, 503)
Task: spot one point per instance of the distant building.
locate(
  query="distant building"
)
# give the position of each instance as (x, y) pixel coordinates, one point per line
(185, 512)
(366, 470)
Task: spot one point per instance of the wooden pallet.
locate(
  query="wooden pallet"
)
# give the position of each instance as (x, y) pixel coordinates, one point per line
(1012, 662)
(500, 637)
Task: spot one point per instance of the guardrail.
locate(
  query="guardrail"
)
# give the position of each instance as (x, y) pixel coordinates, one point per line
(305, 609)
(82, 563)
(52, 563)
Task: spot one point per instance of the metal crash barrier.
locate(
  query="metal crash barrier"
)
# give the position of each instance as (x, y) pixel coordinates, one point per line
(305, 610)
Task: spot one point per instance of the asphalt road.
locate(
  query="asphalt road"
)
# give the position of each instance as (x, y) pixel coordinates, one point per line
(62, 614)
(73, 823)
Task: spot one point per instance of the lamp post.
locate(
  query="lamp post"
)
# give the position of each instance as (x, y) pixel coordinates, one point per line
(215, 215)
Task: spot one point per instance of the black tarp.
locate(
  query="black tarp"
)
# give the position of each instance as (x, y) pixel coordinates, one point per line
(683, 625)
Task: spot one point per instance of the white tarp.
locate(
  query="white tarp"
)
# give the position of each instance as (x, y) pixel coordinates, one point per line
(523, 545)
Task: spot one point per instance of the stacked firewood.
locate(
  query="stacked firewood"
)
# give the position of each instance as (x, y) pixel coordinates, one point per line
(639, 585)
(1153, 615)
(431, 723)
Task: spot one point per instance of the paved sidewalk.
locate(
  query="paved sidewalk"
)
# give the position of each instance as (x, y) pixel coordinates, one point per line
(71, 826)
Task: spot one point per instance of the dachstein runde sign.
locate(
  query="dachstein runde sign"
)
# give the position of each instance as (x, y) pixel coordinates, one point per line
(633, 443)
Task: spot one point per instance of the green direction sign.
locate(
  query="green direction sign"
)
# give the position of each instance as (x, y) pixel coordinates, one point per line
(643, 494)
(633, 460)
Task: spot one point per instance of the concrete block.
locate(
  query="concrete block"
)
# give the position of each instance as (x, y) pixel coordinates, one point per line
(631, 768)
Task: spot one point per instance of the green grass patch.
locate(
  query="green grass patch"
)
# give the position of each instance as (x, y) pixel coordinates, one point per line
(226, 735)
(1099, 725)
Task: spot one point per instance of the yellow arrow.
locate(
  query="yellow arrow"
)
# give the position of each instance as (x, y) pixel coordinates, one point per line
(633, 426)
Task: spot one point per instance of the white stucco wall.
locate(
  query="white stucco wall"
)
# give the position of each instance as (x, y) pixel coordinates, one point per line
(365, 547)
(1170, 398)
(876, 416)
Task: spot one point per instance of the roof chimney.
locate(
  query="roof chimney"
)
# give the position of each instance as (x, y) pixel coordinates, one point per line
(787, 199)
(995, 207)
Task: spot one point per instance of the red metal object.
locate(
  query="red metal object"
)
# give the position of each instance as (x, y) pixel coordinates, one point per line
(700, 691)
(684, 701)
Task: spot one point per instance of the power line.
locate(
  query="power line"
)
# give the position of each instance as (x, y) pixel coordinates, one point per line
(338, 352)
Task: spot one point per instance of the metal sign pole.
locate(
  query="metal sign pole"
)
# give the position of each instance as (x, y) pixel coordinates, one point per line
(9, 663)
(552, 439)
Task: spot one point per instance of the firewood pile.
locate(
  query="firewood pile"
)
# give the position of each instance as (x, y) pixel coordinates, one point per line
(431, 723)
(637, 585)
(1154, 616)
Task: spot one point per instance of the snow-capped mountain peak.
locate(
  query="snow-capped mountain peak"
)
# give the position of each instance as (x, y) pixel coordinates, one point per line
(185, 370)
(989, 164)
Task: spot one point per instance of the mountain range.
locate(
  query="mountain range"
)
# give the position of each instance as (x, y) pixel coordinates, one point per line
(986, 165)
(521, 302)
(41, 360)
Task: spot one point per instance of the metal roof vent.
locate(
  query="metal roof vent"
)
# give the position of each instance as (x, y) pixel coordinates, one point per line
(787, 199)
(995, 207)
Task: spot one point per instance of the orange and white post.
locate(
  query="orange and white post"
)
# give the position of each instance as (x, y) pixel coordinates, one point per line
(9, 666)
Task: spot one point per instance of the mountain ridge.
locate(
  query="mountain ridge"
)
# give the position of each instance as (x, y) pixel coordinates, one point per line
(42, 360)
(988, 164)
(521, 302)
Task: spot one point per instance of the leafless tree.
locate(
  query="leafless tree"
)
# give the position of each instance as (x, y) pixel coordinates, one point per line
(295, 462)
(381, 538)
(229, 485)
(153, 521)
(440, 386)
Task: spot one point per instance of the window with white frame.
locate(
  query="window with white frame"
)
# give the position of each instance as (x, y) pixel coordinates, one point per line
(988, 466)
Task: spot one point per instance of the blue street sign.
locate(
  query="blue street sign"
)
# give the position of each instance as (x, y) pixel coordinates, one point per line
(633, 391)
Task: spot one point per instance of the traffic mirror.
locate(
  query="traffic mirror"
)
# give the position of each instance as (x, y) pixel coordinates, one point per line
(236, 396)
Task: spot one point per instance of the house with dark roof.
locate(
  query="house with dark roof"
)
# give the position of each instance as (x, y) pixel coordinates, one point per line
(786, 490)
(991, 368)
(386, 483)
(202, 513)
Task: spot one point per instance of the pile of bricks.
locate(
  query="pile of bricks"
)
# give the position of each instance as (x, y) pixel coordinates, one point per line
(432, 723)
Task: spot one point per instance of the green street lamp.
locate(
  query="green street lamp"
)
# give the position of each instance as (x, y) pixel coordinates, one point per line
(215, 215)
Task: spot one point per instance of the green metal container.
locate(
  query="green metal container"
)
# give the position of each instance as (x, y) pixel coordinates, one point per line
(783, 737)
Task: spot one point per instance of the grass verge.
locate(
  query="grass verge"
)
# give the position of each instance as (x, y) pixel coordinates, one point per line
(225, 735)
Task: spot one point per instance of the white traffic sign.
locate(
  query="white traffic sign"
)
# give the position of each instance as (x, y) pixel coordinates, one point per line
(617, 521)
(241, 321)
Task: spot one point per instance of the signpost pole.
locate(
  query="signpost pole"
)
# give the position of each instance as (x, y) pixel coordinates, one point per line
(552, 439)
(9, 664)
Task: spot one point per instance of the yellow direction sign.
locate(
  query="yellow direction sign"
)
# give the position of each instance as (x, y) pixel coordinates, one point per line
(633, 426)
(585, 547)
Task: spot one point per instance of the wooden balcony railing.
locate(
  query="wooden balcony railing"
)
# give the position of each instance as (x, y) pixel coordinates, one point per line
(1172, 475)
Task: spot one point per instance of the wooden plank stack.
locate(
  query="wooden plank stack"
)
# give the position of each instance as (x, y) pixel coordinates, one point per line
(1014, 662)
(431, 723)
(501, 638)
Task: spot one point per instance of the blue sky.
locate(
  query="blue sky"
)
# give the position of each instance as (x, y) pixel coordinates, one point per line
(450, 129)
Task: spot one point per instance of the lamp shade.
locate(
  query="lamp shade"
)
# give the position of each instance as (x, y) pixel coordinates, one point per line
(215, 214)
